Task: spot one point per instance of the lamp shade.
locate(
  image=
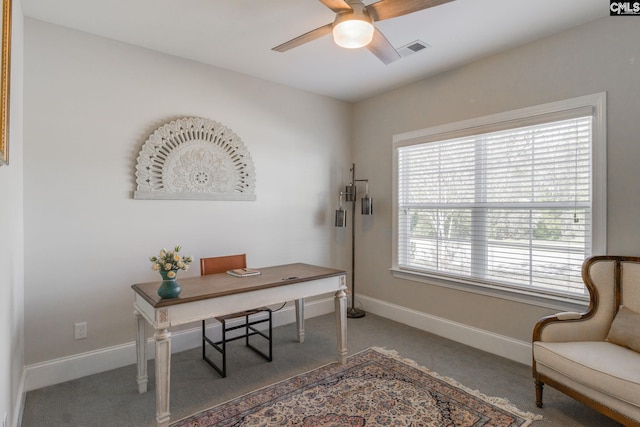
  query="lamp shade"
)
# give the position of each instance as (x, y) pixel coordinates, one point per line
(350, 193)
(352, 30)
(341, 217)
(366, 205)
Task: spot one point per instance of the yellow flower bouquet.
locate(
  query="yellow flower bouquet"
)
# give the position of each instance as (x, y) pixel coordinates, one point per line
(170, 261)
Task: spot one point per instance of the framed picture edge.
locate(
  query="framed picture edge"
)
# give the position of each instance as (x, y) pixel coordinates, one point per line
(5, 71)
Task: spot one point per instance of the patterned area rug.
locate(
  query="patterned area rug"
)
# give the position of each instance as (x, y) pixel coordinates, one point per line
(376, 388)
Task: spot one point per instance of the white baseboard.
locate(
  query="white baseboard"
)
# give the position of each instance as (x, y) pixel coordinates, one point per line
(18, 406)
(507, 347)
(80, 365)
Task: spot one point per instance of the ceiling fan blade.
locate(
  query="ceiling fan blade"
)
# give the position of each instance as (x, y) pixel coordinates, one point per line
(381, 48)
(305, 38)
(337, 5)
(386, 9)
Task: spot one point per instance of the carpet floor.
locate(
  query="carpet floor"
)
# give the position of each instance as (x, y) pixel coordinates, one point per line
(375, 388)
(111, 398)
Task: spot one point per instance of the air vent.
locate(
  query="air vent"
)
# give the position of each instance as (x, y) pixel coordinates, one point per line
(412, 48)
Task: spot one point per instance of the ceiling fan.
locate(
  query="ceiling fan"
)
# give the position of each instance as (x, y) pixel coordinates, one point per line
(353, 26)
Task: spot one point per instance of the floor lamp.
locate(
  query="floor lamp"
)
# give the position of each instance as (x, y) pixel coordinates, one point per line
(366, 203)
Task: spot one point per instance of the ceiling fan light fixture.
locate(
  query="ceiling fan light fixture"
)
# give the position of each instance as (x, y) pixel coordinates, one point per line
(353, 30)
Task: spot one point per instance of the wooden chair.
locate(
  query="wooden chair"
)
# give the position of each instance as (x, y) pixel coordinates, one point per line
(220, 265)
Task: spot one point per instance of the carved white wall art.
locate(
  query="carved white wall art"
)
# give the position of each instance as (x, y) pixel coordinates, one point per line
(194, 159)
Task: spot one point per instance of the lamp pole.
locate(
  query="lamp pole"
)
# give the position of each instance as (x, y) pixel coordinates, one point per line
(367, 209)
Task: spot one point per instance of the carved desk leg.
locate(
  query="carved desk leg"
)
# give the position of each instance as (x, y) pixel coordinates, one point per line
(300, 319)
(163, 372)
(341, 324)
(141, 352)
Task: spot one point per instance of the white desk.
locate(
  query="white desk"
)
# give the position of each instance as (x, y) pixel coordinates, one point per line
(212, 295)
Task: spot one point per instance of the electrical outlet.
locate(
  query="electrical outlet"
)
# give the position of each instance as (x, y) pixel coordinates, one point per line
(80, 330)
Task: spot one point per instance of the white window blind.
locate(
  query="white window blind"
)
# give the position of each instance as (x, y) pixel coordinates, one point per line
(512, 206)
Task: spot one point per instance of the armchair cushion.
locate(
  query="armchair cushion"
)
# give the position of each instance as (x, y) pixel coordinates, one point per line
(625, 329)
(582, 361)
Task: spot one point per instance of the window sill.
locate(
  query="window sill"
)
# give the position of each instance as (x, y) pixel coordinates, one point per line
(554, 302)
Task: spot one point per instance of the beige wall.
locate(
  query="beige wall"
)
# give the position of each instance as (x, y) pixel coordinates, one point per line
(11, 242)
(596, 57)
(90, 104)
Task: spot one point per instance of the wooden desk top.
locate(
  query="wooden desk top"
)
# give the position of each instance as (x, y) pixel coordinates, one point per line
(217, 285)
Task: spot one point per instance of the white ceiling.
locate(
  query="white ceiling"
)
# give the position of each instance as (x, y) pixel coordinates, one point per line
(238, 35)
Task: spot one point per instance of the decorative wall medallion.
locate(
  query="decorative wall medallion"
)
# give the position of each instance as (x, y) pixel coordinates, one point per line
(194, 159)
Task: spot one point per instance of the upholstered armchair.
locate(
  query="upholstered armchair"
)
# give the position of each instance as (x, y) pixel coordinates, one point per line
(594, 356)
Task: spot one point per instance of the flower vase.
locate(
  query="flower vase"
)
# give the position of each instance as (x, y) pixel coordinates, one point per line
(169, 288)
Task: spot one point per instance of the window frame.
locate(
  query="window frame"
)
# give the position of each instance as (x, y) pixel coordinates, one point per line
(596, 104)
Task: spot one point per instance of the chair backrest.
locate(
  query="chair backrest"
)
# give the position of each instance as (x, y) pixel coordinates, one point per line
(221, 264)
(630, 279)
(612, 281)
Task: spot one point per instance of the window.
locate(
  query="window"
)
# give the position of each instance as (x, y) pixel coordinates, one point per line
(507, 200)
